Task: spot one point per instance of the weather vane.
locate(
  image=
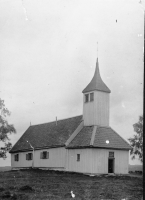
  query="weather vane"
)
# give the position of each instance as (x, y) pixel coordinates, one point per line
(97, 49)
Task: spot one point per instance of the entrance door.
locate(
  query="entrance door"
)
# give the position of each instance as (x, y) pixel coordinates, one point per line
(110, 165)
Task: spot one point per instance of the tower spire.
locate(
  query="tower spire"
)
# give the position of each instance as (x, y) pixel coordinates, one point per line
(96, 82)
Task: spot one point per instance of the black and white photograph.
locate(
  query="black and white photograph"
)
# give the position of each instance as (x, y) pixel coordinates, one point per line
(71, 99)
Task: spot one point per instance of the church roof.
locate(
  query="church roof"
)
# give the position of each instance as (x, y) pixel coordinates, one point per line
(83, 138)
(96, 82)
(50, 135)
(47, 135)
(101, 135)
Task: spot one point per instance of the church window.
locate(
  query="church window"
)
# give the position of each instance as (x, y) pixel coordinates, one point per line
(111, 154)
(86, 97)
(92, 96)
(44, 155)
(29, 156)
(17, 157)
(78, 157)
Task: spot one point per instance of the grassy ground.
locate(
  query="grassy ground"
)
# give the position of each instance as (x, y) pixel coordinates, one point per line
(39, 184)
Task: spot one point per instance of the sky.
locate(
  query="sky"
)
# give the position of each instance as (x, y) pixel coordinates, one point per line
(48, 52)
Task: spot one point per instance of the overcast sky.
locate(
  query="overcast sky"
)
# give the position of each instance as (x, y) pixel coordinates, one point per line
(48, 52)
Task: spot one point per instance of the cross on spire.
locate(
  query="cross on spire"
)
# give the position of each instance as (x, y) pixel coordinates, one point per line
(97, 50)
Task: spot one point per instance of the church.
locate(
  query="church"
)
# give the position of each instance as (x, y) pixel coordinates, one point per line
(85, 143)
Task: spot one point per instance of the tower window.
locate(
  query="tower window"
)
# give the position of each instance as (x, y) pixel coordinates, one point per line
(78, 157)
(86, 97)
(91, 96)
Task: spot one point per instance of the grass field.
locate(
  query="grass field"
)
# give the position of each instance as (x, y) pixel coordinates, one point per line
(6, 168)
(39, 184)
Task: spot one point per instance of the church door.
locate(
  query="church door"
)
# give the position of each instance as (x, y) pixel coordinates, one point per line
(110, 165)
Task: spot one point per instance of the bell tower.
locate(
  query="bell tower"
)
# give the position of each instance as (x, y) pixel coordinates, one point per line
(96, 98)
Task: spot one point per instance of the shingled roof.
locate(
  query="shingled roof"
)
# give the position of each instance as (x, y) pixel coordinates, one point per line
(107, 133)
(50, 135)
(96, 82)
(47, 135)
(83, 139)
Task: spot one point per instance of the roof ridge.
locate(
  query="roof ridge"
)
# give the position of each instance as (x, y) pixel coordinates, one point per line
(55, 120)
(93, 135)
(75, 133)
(103, 126)
(121, 137)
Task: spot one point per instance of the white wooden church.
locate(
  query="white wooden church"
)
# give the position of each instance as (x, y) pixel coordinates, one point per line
(84, 143)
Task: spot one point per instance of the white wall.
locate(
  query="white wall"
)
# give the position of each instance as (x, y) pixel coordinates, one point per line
(22, 160)
(122, 162)
(96, 161)
(85, 163)
(56, 159)
(97, 112)
(91, 160)
(100, 161)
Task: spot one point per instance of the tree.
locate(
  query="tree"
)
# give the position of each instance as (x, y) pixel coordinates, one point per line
(5, 130)
(137, 141)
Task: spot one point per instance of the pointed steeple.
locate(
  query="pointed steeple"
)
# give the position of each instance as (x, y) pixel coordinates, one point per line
(96, 82)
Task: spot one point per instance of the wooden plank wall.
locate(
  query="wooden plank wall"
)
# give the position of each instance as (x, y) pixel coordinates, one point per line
(84, 165)
(97, 111)
(96, 161)
(56, 159)
(22, 160)
(91, 160)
